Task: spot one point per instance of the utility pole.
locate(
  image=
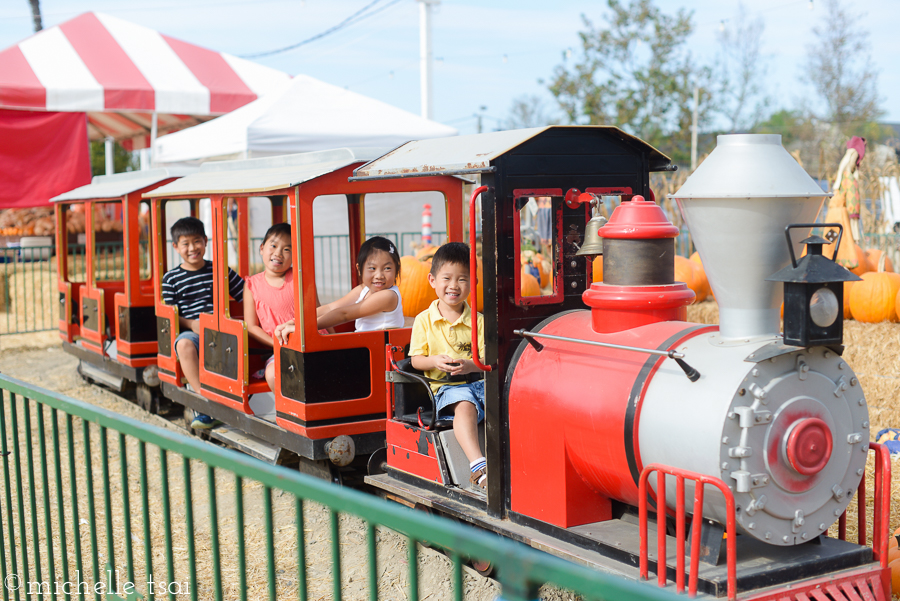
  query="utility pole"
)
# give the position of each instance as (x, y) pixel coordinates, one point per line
(425, 54)
(479, 115)
(36, 14)
(694, 129)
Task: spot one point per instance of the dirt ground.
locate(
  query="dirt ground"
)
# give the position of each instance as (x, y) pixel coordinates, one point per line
(39, 359)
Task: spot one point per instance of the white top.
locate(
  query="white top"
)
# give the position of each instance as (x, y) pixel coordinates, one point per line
(384, 320)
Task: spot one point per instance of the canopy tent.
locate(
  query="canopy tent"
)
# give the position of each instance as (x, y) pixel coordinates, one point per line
(120, 74)
(128, 79)
(302, 115)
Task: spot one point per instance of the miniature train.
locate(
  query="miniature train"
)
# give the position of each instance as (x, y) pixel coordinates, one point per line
(600, 397)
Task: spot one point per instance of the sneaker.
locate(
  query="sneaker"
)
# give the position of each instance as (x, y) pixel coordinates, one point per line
(205, 422)
(478, 480)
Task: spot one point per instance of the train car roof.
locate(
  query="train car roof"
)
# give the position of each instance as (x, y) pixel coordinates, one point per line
(265, 174)
(118, 185)
(473, 154)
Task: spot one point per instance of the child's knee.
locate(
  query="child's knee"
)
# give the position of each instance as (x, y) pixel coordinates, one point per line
(270, 375)
(185, 349)
(465, 410)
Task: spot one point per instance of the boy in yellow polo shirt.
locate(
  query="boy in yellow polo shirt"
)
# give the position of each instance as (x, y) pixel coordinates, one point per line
(441, 346)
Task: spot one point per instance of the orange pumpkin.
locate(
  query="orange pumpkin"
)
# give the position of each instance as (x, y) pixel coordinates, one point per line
(529, 283)
(544, 269)
(862, 263)
(847, 286)
(895, 576)
(686, 271)
(893, 553)
(415, 290)
(598, 269)
(426, 252)
(874, 299)
(892, 542)
(874, 256)
(701, 274)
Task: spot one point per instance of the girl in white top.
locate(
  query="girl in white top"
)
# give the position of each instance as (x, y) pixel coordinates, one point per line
(375, 304)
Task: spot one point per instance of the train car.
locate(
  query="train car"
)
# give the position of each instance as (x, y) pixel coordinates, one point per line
(334, 383)
(106, 308)
(602, 401)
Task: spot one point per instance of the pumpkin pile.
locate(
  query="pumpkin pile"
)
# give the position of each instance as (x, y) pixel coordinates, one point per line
(875, 298)
(27, 222)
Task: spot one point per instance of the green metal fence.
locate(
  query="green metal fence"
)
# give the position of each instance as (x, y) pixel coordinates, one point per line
(96, 505)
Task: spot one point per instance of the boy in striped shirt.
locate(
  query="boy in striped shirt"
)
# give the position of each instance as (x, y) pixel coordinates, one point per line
(190, 288)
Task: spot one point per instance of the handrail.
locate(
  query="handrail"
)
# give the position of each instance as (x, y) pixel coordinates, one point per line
(701, 479)
(882, 506)
(473, 279)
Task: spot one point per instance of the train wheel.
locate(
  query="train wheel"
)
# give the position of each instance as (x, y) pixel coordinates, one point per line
(147, 398)
(485, 568)
(377, 462)
(323, 470)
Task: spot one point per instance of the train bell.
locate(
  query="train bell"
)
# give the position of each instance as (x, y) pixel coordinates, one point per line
(593, 243)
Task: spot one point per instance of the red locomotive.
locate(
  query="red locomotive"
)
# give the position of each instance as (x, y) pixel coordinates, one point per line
(601, 400)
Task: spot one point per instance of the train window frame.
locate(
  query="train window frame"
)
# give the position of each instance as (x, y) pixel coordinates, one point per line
(558, 293)
(96, 280)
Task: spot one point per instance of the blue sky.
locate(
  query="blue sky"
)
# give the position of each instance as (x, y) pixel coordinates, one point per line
(488, 52)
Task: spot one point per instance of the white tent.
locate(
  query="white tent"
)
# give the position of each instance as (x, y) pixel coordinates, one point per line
(302, 115)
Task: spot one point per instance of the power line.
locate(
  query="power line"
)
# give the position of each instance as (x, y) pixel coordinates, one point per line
(354, 18)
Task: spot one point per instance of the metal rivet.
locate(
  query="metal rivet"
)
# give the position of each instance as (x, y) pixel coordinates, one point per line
(860, 472)
(724, 440)
(828, 354)
(853, 381)
(862, 402)
(754, 372)
(837, 512)
(751, 525)
(731, 415)
(842, 365)
(772, 360)
(290, 368)
(742, 392)
(865, 424)
(786, 538)
(803, 536)
(724, 465)
(768, 535)
(822, 526)
(574, 285)
(573, 264)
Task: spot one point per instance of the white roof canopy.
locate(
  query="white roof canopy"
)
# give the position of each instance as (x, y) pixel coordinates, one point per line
(302, 115)
(116, 186)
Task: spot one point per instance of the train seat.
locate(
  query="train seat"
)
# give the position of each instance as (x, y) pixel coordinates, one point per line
(413, 398)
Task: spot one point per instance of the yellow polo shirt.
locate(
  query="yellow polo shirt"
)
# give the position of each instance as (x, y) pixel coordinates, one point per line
(432, 334)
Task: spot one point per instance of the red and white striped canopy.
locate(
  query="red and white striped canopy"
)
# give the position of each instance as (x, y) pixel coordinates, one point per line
(120, 73)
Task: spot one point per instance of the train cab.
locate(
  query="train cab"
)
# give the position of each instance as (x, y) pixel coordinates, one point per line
(106, 310)
(329, 384)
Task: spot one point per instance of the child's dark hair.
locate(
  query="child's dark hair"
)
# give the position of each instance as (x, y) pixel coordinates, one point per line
(187, 226)
(455, 253)
(377, 243)
(279, 229)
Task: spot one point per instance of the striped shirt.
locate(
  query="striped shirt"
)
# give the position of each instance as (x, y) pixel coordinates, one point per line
(192, 291)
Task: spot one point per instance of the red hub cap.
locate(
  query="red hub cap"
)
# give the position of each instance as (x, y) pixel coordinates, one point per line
(809, 446)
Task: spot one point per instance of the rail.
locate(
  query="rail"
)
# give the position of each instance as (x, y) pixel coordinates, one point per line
(110, 505)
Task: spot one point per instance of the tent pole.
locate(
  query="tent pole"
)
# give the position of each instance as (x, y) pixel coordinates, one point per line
(153, 130)
(425, 54)
(109, 148)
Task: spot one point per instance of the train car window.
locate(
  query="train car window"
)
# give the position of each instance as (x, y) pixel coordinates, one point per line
(406, 218)
(537, 235)
(262, 216)
(74, 218)
(331, 246)
(145, 261)
(175, 210)
(109, 249)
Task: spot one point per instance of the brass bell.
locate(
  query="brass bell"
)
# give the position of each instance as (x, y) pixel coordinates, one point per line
(593, 243)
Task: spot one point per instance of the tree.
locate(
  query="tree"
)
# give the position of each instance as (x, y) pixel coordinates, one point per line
(122, 159)
(528, 111)
(742, 97)
(636, 73)
(839, 68)
(36, 14)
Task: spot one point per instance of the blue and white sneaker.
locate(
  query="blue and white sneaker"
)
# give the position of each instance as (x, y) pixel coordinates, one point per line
(205, 422)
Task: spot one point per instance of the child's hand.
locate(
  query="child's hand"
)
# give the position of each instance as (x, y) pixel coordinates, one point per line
(282, 331)
(466, 366)
(445, 363)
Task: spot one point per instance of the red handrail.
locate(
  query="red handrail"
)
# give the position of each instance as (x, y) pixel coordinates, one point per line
(473, 279)
(881, 510)
(701, 480)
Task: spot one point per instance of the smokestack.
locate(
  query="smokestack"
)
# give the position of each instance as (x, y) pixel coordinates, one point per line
(736, 205)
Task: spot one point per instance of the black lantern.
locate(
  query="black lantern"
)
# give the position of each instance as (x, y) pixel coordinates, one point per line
(813, 292)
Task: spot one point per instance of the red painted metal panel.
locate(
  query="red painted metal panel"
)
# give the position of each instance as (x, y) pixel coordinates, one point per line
(410, 450)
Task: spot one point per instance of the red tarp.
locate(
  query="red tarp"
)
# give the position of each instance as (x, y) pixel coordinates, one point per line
(42, 155)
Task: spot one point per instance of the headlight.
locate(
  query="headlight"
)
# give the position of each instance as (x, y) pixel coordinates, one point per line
(823, 307)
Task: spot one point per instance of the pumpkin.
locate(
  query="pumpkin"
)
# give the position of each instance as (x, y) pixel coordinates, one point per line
(862, 263)
(415, 290)
(426, 252)
(598, 269)
(686, 271)
(893, 553)
(544, 269)
(701, 274)
(895, 576)
(529, 284)
(892, 542)
(875, 256)
(847, 286)
(874, 299)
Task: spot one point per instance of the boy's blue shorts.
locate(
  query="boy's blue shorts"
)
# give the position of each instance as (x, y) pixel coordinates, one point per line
(450, 395)
(189, 335)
